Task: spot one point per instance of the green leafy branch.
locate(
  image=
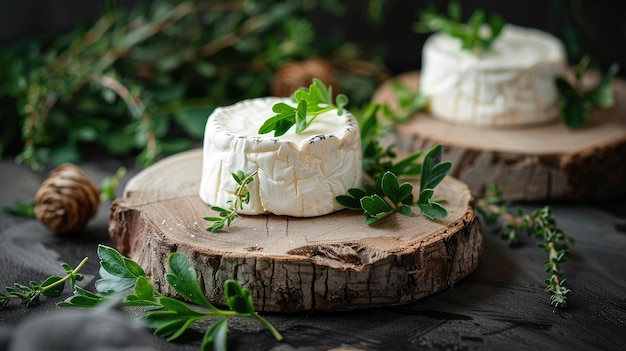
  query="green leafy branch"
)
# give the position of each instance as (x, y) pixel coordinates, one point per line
(388, 195)
(409, 102)
(540, 224)
(377, 158)
(143, 80)
(471, 35)
(311, 103)
(576, 102)
(169, 317)
(52, 286)
(242, 196)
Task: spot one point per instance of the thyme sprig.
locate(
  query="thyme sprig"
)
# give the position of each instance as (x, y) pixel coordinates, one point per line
(242, 196)
(52, 286)
(576, 102)
(471, 35)
(540, 224)
(310, 104)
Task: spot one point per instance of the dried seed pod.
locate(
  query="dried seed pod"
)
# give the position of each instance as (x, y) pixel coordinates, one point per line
(299, 74)
(66, 200)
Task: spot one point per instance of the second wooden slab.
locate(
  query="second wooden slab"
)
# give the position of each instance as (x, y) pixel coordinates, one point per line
(534, 163)
(332, 262)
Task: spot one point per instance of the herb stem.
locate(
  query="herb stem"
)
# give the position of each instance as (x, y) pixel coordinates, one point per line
(541, 224)
(239, 195)
(66, 277)
(317, 113)
(269, 326)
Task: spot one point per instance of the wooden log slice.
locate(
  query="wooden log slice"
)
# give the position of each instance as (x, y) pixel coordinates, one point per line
(332, 262)
(532, 163)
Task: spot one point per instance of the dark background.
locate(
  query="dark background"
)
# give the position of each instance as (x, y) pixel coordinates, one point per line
(594, 27)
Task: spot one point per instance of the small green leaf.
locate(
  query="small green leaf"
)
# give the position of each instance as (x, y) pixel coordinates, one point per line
(184, 280)
(433, 210)
(582, 66)
(425, 196)
(237, 177)
(301, 116)
(143, 289)
(408, 165)
(173, 328)
(349, 202)
(216, 337)
(432, 158)
(603, 95)
(405, 210)
(55, 291)
(341, 101)
(114, 263)
(156, 319)
(496, 24)
(438, 173)
(374, 205)
(179, 307)
(576, 113)
(110, 284)
(83, 301)
(390, 185)
(238, 299)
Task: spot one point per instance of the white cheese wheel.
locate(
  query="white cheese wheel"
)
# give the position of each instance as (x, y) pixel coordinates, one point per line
(298, 174)
(510, 84)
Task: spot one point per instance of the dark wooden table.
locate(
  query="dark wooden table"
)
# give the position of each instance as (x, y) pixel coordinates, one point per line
(502, 305)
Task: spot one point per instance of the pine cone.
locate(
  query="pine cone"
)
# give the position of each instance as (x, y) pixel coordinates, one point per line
(300, 74)
(66, 200)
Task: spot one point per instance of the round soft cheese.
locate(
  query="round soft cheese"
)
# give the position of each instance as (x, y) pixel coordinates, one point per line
(297, 174)
(510, 84)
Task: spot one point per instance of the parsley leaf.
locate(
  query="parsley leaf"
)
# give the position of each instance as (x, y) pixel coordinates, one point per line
(169, 317)
(310, 104)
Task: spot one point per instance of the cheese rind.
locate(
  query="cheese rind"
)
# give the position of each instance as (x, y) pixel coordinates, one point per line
(297, 174)
(510, 84)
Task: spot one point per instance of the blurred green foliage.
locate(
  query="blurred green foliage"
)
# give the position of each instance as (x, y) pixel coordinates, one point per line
(143, 81)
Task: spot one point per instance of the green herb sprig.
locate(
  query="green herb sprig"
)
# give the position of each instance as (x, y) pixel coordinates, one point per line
(377, 158)
(540, 224)
(388, 195)
(409, 102)
(52, 286)
(169, 317)
(576, 103)
(470, 34)
(242, 196)
(142, 81)
(310, 104)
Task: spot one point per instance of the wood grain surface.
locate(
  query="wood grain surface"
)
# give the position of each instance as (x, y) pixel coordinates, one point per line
(332, 262)
(501, 305)
(534, 163)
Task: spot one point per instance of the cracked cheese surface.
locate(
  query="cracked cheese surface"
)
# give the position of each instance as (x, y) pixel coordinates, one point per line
(298, 174)
(511, 84)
